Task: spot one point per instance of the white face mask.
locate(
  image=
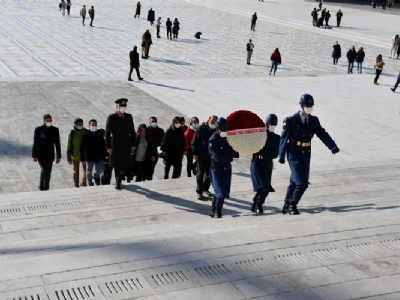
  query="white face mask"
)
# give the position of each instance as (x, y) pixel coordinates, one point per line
(154, 125)
(195, 126)
(223, 134)
(177, 125)
(122, 109)
(271, 128)
(212, 126)
(48, 124)
(308, 110)
(93, 128)
(79, 127)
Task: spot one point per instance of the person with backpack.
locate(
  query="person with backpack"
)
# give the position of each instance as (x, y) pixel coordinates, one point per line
(74, 140)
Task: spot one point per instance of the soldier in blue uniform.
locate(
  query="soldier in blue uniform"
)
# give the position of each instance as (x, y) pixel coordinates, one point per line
(298, 130)
(262, 165)
(221, 170)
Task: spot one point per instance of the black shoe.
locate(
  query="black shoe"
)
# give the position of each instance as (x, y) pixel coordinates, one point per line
(393, 90)
(130, 79)
(118, 186)
(219, 213)
(140, 78)
(97, 181)
(41, 188)
(253, 207)
(260, 208)
(189, 174)
(285, 208)
(128, 180)
(293, 210)
(212, 212)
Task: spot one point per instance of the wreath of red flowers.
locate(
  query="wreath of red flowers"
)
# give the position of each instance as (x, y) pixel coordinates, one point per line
(244, 119)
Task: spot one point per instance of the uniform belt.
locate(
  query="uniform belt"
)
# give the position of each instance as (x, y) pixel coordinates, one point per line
(301, 144)
(258, 157)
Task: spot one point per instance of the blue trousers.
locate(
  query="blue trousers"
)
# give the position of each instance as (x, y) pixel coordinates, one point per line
(218, 202)
(359, 66)
(274, 65)
(259, 197)
(294, 193)
(397, 82)
(350, 68)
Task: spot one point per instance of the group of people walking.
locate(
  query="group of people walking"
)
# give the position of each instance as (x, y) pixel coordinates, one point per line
(275, 57)
(325, 16)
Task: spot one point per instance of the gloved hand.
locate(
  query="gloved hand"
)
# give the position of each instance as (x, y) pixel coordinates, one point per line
(281, 160)
(335, 149)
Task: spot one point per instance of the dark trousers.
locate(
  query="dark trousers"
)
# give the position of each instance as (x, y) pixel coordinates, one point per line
(139, 170)
(83, 20)
(397, 82)
(149, 169)
(378, 73)
(253, 25)
(294, 193)
(91, 21)
(177, 164)
(137, 72)
(68, 9)
(190, 166)
(203, 177)
(105, 178)
(259, 197)
(218, 203)
(314, 21)
(158, 31)
(45, 174)
(338, 22)
(169, 33)
(119, 174)
(335, 60)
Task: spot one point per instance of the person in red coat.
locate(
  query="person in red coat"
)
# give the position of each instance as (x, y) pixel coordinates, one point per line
(189, 134)
(275, 59)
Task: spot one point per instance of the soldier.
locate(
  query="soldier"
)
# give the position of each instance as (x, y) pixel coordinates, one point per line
(298, 130)
(221, 170)
(262, 165)
(122, 130)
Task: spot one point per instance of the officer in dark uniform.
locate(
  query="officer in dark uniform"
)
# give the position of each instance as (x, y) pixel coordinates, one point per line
(298, 130)
(262, 165)
(120, 140)
(221, 170)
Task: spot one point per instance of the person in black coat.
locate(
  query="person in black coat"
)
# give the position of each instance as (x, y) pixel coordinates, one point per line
(138, 7)
(135, 63)
(151, 16)
(351, 57)
(314, 15)
(168, 24)
(157, 135)
(173, 148)
(327, 17)
(360, 59)
(339, 16)
(262, 165)
(145, 153)
(336, 53)
(45, 138)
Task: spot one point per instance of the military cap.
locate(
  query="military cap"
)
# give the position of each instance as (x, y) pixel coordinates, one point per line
(272, 119)
(222, 124)
(307, 100)
(122, 101)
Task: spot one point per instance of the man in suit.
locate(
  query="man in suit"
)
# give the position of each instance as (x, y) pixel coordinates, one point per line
(135, 63)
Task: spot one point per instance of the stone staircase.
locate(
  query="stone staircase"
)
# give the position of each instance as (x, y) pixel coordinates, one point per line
(154, 240)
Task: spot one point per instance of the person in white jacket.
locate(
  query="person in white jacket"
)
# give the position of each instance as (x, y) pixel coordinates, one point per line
(395, 45)
(158, 25)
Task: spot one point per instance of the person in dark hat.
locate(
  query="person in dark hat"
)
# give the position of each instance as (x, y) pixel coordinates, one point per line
(262, 165)
(298, 130)
(222, 155)
(120, 140)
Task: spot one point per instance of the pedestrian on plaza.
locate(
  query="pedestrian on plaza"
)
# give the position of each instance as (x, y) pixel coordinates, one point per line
(298, 130)
(198, 35)
(320, 4)
(262, 165)
(253, 22)
(91, 14)
(83, 14)
(199, 148)
(134, 63)
(45, 139)
(327, 17)
(93, 152)
(323, 13)
(173, 148)
(373, 3)
(275, 60)
(74, 153)
(157, 135)
(222, 155)
(189, 134)
(138, 7)
(151, 16)
(360, 59)
(314, 15)
(339, 16)
(398, 51)
(168, 24)
(146, 43)
(183, 125)
(121, 128)
(175, 28)
(351, 57)
(63, 6)
(378, 66)
(158, 25)
(384, 2)
(336, 53)
(320, 22)
(144, 152)
(249, 47)
(396, 84)
(69, 4)
(395, 45)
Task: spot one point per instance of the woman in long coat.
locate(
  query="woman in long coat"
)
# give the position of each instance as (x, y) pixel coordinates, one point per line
(336, 53)
(175, 28)
(146, 42)
(151, 16)
(138, 7)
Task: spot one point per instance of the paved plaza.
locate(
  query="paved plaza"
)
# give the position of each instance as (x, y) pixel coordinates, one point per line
(154, 240)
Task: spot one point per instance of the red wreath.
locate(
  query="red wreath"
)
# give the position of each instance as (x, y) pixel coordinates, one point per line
(244, 119)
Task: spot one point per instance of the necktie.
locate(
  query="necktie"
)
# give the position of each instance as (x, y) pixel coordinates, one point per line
(305, 122)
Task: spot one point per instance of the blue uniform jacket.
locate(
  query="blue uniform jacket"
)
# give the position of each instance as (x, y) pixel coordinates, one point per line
(299, 157)
(262, 164)
(200, 143)
(221, 170)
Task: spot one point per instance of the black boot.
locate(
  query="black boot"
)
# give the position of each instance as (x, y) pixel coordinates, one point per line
(219, 213)
(212, 212)
(118, 185)
(293, 210)
(285, 208)
(253, 207)
(260, 208)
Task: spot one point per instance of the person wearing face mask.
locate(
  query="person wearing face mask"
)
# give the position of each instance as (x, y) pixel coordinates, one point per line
(295, 142)
(93, 152)
(173, 148)
(199, 146)
(262, 165)
(144, 153)
(189, 134)
(45, 138)
(157, 135)
(222, 155)
(74, 153)
(120, 140)
(183, 125)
